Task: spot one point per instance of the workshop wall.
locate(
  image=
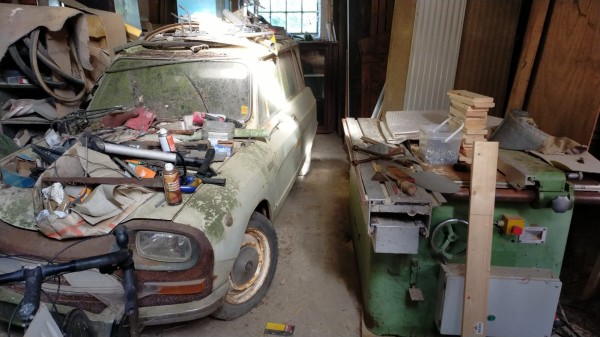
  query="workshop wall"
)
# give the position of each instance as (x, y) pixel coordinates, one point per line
(560, 88)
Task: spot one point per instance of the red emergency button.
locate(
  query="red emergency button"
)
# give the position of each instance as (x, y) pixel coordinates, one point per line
(516, 230)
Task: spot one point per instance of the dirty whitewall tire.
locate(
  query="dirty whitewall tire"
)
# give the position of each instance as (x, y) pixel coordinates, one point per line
(253, 269)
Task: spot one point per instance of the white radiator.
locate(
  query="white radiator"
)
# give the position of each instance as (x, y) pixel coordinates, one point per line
(434, 54)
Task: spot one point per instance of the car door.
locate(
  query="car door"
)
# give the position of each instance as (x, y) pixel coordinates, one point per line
(290, 105)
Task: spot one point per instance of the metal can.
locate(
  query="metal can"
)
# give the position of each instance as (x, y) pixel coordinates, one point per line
(167, 144)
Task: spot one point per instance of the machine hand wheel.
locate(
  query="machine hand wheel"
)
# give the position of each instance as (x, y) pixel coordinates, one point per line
(449, 238)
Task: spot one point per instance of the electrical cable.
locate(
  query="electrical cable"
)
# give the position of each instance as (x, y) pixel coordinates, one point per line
(43, 55)
(35, 35)
(14, 53)
(12, 317)
(184, 177)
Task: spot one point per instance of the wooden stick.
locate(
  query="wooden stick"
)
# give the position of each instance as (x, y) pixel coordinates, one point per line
(479, 244)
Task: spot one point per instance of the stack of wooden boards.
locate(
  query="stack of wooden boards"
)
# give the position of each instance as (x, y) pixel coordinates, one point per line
(470, 109)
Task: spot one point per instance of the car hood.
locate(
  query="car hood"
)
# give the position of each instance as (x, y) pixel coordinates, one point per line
(17, 206)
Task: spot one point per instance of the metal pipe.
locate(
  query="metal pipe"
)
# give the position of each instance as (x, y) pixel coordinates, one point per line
(139, 153)
(98, 144)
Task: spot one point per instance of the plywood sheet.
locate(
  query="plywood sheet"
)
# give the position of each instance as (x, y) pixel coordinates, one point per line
(486, 49)
(399, 55)
(531, 41)
(564, 99)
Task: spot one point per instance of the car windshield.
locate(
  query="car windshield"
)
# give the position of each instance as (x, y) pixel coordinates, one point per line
(176, 89)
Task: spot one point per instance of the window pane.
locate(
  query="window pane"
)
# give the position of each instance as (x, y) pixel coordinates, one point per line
(296, 16)
(265, 5)
(294, 5)
(310, 5)
(278, 19)
(288, 74)
(278, 5)
(294, 24)
(309, 22)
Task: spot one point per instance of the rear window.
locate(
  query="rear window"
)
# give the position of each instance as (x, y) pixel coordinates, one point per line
(176, 89)
(289, 74)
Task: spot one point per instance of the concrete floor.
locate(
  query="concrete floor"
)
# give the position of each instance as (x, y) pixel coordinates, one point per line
(316, 284)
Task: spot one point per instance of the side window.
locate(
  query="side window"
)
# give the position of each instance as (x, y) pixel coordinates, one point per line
(271, 96)
(288, 70)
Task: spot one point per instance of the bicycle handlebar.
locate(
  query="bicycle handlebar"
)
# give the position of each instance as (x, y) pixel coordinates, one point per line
(121, 259)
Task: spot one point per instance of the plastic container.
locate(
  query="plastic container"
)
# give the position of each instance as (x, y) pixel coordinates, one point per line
(171, 185)
(214, 131)
(439, 144)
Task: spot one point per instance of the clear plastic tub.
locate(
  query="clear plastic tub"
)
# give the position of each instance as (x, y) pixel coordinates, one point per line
(214, 131)
(439, 146)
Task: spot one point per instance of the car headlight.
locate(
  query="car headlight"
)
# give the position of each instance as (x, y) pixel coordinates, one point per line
(164, 247)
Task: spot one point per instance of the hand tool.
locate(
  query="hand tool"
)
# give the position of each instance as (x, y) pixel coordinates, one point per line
(429, 180)
(376, 155)
(204, 171)
(126, 167)
(98, 144)
(378, 176)
(402, 180)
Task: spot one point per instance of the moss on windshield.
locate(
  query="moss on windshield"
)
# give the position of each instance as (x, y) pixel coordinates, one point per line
(176, 89)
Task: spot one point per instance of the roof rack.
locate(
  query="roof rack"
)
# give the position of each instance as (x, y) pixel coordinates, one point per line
(233, 30)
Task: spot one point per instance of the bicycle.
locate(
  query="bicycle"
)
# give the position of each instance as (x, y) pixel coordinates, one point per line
(106, 263)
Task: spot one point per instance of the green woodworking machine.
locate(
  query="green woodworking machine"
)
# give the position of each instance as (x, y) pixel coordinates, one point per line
(411, 250)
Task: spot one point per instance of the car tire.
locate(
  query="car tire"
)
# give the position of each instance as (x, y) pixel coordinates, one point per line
(252, 271)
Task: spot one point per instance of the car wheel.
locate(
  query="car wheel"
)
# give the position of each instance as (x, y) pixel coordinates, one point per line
(253, 269)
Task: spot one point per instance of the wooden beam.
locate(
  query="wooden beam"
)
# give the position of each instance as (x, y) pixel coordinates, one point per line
(399, 55)
(563, 97)
(531, 42)
(479, 244)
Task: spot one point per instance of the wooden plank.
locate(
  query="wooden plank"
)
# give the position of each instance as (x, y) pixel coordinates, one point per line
(563, 97)
(399, 55)
(484, 63)
(479, 242)
(531, 41)
(469, 97)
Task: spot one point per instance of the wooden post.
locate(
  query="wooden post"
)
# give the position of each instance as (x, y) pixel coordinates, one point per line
(479, 244)
(399, 55)
(533, 34)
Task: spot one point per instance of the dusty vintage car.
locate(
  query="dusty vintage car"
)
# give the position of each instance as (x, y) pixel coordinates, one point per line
(216, 252)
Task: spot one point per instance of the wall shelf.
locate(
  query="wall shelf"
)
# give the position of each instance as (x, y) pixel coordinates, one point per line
(320, 67)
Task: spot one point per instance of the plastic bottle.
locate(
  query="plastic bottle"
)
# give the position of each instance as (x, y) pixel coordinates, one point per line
(171, 185)
(167, 144)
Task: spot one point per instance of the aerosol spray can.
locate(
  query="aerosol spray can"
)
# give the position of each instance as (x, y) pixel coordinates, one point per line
(167, 144)
(171, 185)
